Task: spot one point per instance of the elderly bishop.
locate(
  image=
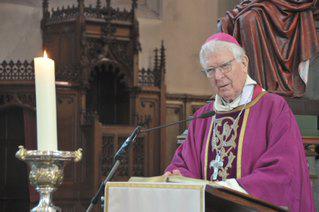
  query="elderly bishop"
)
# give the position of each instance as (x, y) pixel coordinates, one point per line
(253, 143)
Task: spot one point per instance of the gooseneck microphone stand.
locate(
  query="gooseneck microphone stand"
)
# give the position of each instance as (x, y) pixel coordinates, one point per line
(130, 140)
(117, 161)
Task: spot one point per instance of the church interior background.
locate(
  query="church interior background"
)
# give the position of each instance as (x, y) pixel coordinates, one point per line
(119, 64)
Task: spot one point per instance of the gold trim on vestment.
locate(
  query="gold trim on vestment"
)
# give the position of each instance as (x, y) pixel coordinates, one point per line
(250, 104)
(154, 185)
(207, 148)
(240, 143)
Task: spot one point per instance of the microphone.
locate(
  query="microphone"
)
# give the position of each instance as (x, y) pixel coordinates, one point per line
(131, 139)
(128, 142)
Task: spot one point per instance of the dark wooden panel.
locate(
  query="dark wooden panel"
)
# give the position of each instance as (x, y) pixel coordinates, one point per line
(14, 193)
(224, 199)
(134, 162)
(67, 129)
(174, 112)
(303, 106)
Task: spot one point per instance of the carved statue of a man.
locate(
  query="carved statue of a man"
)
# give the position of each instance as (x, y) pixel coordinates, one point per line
(279, 37)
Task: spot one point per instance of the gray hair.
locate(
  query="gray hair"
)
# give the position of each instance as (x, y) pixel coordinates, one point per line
(214, 46)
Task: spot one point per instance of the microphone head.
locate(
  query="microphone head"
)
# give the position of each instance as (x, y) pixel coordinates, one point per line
(207, 115)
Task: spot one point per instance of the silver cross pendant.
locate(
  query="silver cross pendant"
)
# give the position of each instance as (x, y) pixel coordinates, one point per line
(216, 165)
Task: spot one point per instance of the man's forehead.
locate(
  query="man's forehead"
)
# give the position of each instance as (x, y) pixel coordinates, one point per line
(221, 56)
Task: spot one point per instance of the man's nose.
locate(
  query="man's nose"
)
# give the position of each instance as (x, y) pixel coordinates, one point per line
(218, 74)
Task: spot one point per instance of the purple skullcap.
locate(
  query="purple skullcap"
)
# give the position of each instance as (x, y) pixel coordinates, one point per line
(223, 37)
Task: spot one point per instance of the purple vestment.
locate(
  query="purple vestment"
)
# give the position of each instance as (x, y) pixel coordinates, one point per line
(271, 162)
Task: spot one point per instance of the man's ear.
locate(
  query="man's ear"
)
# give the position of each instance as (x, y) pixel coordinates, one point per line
(245, 62)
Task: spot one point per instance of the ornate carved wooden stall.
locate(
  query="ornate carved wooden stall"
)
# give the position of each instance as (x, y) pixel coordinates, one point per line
(101, 95)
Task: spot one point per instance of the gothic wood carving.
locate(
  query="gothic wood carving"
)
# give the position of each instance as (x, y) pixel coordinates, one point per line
(84, 40)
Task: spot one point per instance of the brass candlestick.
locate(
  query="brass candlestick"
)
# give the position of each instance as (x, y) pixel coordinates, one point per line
(46, 173)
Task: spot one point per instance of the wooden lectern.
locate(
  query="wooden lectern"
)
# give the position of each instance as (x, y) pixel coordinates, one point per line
(224, 199)
(172, 197)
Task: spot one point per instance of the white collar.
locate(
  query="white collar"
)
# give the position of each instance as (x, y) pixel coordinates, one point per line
(244, 98)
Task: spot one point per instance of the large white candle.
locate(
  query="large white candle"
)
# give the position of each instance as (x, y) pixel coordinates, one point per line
(45, 103)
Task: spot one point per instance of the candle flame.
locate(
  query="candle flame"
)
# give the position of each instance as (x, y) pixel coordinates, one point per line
(45, 54)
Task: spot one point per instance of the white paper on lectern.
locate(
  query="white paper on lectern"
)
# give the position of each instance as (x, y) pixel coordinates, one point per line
(154, 197)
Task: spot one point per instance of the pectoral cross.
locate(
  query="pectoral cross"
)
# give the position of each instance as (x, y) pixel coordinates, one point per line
(216, 165)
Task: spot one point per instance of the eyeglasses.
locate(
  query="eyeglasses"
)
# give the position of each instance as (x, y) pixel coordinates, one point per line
(224, 68)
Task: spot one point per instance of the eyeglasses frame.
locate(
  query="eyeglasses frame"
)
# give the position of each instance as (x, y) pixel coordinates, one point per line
(223, 68)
